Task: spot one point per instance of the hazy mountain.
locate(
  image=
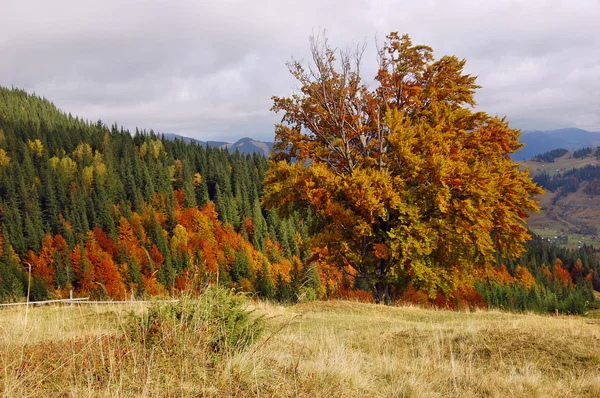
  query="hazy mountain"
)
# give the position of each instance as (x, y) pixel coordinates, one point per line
(173, 137)
(537, 142)
(248, 145)
(244, 145)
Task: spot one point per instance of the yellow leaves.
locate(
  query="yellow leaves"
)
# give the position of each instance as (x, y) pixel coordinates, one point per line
(153, 148)
(54, 162)
(65, 165)
(143, 150)
(442, 202)
(180, 237)
(246, 285)
(68, 166)
(197, 181)
(100, 171)
(171, 171)
(178, 173)
(426, 277)
(156, 149)
(523, 275)
(88, 176)
(36, 147)
(106, 142)
(4, 158)
(83, 153)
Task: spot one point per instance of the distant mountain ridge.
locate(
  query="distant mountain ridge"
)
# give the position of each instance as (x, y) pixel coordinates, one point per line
(244, 145)
(249, 145)
(536, 142)
(540, 141)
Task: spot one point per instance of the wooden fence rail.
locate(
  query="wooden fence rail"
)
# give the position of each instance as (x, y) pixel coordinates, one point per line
(129, 302)
(85, 300)
(69, 300)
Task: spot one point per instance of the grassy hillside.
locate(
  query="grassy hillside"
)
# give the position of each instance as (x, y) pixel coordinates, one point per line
(564, 163)
(334, 349)
(572, 215)
(566, 217)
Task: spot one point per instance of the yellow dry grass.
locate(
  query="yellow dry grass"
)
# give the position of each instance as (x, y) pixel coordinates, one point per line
(319, 349)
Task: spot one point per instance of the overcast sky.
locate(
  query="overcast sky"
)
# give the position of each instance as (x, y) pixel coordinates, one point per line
(207, 69)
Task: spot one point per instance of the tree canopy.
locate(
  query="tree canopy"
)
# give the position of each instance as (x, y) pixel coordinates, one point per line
(405, 182)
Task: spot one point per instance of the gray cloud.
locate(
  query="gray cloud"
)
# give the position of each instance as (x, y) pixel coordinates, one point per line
(207, 69)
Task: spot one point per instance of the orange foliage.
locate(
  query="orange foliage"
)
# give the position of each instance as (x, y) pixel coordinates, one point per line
(577, 271)
(106, 271)
(246, 285)
(152, 286)
(561, 275)
(523, 275)
(83, 270)
(359, 295)
(414, 296)
(186, 217)
(183, 281)
(502, 276)
(468, 296)
(105, 242)
(589, 276)
(43, 263)
(210, 210)
(179, 199)
(248, 226)
(157, 258)
(129, 244)
(59, 242)
(282, 268)
(198, 233)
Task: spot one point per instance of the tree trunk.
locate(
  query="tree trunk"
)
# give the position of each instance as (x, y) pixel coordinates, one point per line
(381, 293)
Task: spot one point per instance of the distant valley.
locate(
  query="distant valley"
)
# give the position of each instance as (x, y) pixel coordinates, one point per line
(570, 213)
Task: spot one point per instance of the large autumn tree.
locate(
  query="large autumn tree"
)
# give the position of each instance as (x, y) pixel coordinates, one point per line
(404, 182)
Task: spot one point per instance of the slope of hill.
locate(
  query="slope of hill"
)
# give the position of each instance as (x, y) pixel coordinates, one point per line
(560, 164)
(102, 212)
(539, 141)
(187, 140)
(570, 206)
(318, 349)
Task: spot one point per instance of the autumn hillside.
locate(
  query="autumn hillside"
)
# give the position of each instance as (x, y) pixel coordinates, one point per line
(115, 214)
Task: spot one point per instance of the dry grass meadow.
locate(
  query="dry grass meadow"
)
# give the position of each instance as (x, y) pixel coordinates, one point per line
(318, 349)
